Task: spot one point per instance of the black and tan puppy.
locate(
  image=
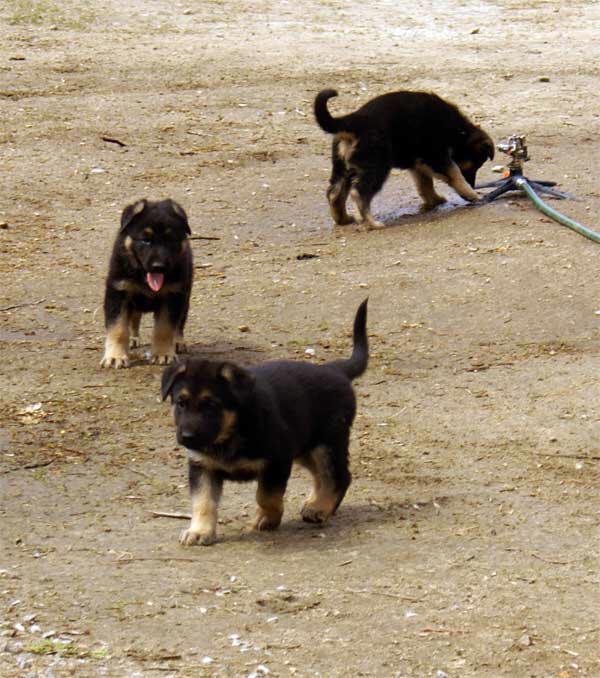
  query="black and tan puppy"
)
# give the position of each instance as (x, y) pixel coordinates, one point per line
(150, 270)
(253, 424)
(417, 131)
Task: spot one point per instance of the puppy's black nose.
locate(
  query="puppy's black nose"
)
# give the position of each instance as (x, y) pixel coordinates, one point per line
(185, 437)
(157, 267)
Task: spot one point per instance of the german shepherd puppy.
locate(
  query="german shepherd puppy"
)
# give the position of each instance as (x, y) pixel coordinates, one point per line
(253, 424)
(417, 131)
(151, 270)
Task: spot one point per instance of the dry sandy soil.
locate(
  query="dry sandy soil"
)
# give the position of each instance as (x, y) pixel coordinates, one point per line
(468, 544)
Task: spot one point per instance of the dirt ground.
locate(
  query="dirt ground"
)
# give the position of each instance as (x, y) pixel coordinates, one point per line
(468, 544)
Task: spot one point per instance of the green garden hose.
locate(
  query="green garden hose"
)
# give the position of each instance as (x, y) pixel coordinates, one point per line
(521, 182)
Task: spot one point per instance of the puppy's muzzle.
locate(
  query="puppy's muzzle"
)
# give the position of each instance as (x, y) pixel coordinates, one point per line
(186, 438)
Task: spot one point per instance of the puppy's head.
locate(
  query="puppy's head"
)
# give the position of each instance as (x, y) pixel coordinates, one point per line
(208, 402)
(476, 149)
(154, 236)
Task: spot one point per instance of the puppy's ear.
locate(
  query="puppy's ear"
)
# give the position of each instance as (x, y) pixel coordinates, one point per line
(488, 147)
(170, 375)
(132, 211)
(179, 212)
(240, 381)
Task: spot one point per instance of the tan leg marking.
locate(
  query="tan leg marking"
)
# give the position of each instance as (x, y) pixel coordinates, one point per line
(205, 504)
(134, 324)
(337, 195)
(117, 344)
(163, 339)
(364, 209)
(424, 184)
(323, 498)
(269, 509)
(180, 345)
(459, 184)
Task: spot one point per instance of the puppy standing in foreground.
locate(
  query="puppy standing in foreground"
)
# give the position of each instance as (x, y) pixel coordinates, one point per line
(151, 270)
(253, 424)
(417, 131)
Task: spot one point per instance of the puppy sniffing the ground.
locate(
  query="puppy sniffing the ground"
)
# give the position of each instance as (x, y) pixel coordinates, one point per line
(151, 270)
(417, 131)
(253, 424)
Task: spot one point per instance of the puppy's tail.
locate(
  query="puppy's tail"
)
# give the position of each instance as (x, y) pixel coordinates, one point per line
(324, 118)
(357, 363)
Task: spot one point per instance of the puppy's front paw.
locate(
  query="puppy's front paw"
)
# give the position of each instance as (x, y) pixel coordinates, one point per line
(432, 203)
(344, 220)
(481, 200)
(114, 359)
(163, 358)
(313, 514)
(372, 225)
(262, 523)
(189, 537)
(180, 346)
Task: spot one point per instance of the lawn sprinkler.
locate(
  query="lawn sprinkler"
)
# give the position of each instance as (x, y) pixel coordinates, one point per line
(516, 148)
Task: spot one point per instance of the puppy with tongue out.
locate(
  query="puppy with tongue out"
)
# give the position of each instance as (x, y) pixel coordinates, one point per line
(150, 271)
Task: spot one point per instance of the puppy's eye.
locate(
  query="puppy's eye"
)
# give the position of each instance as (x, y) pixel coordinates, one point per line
(145, 242)
(181, 402)
(210, 405)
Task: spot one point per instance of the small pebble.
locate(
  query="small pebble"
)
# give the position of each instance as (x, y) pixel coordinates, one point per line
(544, 78)
(244, 328)
(524, 640)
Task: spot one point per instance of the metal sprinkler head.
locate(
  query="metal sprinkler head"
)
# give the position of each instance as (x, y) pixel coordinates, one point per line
(516, 147)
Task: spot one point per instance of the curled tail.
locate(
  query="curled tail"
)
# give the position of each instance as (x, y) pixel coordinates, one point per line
(324, 118)
(357, 363)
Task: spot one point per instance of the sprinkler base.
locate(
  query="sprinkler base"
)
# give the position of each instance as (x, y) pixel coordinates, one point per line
(514, 183)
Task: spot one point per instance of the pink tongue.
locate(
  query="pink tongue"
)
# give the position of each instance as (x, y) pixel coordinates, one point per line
(155, 280)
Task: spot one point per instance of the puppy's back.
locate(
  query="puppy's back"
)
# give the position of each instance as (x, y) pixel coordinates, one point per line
(308, 398)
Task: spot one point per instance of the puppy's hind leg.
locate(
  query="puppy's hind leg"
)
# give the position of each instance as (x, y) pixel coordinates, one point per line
(424, 184)
(180, 345)
(339, 187)
(328, 466)
(168, 327)
(362, 200)
(134, 324)
(366, 183)
(163, 338)
(269, 497)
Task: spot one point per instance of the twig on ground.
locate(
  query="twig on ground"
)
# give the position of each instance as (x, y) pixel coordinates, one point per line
(110, 140)
(29, 467)
(385, 593)
(441, 630)
(555, 562)
(204, 237)
(26, 303)
(142, 473)
(167, 514)
(125, 561)
(583, 457)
